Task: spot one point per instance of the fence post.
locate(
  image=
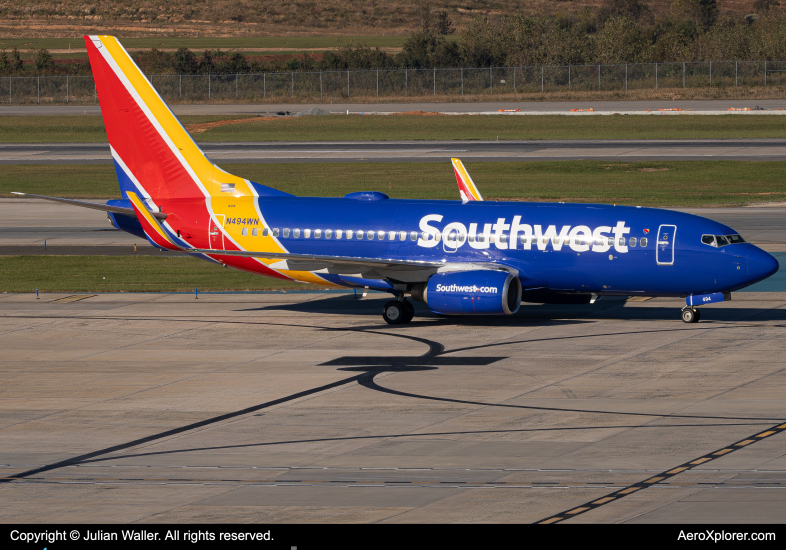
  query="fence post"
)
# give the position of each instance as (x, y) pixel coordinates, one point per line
(347, 82)
(38, 88)
(235, 85)
(9, 90)
(435, 81)
(683, 74)
(568, 77)
(598, 76)
(67, 99)
(765, 72)
(656, 75)
(491, 82)
(710, 73)
(541, 78)
(292, 89)
(208, 86)
(514, 80)
(626, 77)
(320, 84)
(735, 72)
(462, 81)
(377, 82)
(180, 86)
(406, 83)
(264, 85)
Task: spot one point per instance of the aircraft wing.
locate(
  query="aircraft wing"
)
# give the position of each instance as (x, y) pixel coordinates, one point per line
(93, 205)
(467, 189)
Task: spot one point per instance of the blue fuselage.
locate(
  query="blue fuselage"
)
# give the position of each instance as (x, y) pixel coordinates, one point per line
(587, 248)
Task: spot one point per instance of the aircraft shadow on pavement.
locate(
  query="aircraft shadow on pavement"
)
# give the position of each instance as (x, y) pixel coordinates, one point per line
(530, 312)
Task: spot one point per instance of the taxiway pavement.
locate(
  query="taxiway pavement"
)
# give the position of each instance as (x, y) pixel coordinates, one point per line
(454, 107)
(425, 151)
(308, 408)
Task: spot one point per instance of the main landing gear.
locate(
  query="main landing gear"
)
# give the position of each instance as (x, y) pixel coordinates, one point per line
(691, 315)
(398, 312)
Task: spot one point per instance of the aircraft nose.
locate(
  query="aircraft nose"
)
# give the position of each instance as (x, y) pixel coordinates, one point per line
(761, 264)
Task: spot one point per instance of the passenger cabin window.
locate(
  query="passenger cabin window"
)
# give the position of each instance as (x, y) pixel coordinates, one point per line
(317, 233)
(264, 232)
(296, 233)
(339, 233)
(425, 236)
(328, 233)
(275, 232)
(244, 232)
(622, 241)
(503, 238)
(632, 242)
(643, 242)
(402, 235)
(461, 237)
(255, 232)
(481, 238)
(370, 235)
(306, 233)
(286, 232)
(413, 236)
(471, 238)
(524, 239)
(391, 235)
(381, 235)
(349, 234)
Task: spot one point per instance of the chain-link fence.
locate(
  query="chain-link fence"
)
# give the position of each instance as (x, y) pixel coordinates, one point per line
(416, 83)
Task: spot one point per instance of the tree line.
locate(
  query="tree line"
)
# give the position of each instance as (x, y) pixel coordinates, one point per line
(618, 31)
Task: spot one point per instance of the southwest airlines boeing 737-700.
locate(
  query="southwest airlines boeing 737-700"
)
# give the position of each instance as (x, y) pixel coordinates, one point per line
(468, 257)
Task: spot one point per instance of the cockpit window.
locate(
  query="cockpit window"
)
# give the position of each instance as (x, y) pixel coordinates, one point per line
(721, 240)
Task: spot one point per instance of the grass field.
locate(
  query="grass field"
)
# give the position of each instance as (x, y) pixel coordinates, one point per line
(90, 129)
(685, 183)
(128, 274)
(204, 43)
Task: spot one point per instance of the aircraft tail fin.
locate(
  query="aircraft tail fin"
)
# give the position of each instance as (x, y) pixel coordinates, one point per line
(467, 189)
(154, 155)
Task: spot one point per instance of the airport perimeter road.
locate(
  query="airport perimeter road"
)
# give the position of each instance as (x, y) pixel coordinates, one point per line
(308, 408)
(425, 151)
(25, 224)
(458, 107)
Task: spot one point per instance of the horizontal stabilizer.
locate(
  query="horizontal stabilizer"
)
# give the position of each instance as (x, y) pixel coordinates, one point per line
(156, 234)
(93, 205)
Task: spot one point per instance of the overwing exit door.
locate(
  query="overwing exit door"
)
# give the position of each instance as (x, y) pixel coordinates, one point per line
(217, 232)
(664, 247)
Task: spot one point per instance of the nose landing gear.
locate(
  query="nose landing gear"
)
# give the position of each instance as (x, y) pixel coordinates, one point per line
(398, 312)
(691, 315)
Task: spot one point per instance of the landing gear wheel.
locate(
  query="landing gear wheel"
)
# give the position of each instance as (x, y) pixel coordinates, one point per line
(690, 315)
(394, 313)
(409, 309)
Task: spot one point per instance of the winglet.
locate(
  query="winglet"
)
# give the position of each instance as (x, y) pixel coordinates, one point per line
(466, 186)
(155, 233)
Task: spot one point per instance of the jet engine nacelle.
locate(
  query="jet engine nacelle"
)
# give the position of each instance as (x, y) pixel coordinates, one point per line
(482, 292)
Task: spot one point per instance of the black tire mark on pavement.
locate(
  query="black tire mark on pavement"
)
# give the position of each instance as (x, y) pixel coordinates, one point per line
(663, 476)
(428, 434)
(372, 385)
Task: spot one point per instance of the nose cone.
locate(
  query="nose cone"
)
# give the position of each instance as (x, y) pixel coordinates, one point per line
(760, 264)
